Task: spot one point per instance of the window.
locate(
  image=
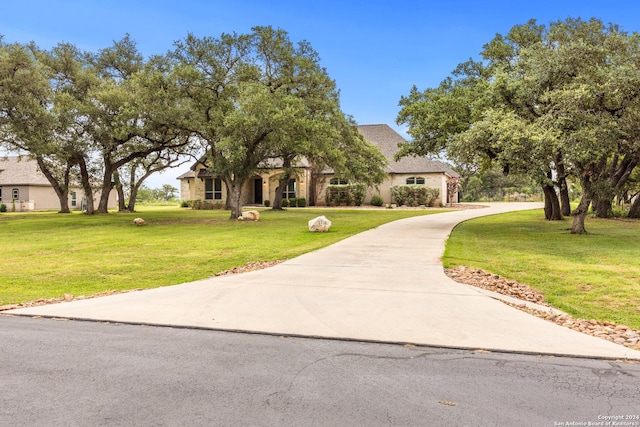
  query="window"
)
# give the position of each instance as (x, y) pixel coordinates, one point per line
(290, 191)
(338, 181)
(15, 194)
(213, 189)
(415, 180)
(0, 194)
(74, 199)
(217, 189)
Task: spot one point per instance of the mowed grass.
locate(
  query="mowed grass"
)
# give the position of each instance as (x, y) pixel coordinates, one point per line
(47, 255)
(594, 276)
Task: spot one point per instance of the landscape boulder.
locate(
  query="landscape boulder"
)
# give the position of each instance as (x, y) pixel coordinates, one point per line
(138, 221)
(320, 223)
(249, 216)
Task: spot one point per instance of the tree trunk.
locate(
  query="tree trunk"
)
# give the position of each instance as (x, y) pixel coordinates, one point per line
(64, 202)
(133, 195)
(283, 182)
(580, 214)
(62, 191)
(227, 202)
(634, 211)
(313, 186)
(565, 202)
(551, 203)
(235, 198)
(277, 198)
(602, 206)
(86, 185)
(122, 207)
(282, 186)
(107, 186)
(133, 189)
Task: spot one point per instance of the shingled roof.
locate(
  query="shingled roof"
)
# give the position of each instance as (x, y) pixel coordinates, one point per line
(387, 140)
(17, 170)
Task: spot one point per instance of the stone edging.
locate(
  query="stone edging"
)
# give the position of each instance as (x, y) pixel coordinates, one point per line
(619, 334)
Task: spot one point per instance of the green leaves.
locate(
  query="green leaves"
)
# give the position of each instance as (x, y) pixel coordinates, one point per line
(564, 92)
(247, 98)
(257, 97)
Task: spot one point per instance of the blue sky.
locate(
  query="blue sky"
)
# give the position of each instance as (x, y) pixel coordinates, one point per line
(375, 50)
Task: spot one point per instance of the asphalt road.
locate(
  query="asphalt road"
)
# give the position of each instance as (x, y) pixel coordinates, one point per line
(69, 373)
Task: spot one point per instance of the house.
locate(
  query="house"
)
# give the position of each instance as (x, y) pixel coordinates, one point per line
(407, 170)
(201, 184)
(23, 187)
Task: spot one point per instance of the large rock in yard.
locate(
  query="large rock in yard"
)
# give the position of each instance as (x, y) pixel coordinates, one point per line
(249, 216)
(320, 223)
(138, 221)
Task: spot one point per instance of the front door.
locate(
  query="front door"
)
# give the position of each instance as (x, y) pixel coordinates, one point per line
(257, 184)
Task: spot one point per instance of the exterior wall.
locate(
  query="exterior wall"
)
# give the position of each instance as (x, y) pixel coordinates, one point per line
(301, 188)
(112, 203)
(34, 190)
(432, 180)
(44, 198)
(198, 189)
(30, 198)
(7, 193)
(187, 189)
(194, 188)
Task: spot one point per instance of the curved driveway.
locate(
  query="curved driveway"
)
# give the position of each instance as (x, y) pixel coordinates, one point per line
(386, 284)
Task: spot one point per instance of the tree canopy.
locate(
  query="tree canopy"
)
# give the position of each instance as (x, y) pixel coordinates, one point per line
(112, 117)
(553, 102)
(253, 98)
(82, 116)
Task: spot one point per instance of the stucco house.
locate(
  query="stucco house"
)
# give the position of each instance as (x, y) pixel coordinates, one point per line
(24, 187)
(407, 170)
(201, 184)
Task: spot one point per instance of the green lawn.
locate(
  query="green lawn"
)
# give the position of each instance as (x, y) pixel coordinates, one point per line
(594, 276)
(47, 255)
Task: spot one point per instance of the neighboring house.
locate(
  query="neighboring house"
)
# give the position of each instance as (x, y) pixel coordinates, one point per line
(24, 188)
(201, 184)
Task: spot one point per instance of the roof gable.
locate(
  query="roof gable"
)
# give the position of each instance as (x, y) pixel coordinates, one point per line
(387, 140)
(18, 170)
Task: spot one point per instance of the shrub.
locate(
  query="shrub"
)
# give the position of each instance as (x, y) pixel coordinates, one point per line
(184, 204)
(203, 205)
(376, 200)
(293, 202)
(267, 203)
(359, 192)
(3, 207)
(301, 202)
(414, 195)
(284, 203)
(347, 194)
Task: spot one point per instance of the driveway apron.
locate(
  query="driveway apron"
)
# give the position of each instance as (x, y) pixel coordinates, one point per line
(386, 285)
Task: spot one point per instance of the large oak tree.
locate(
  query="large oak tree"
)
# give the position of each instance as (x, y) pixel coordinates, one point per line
(552, 102)
(252, 98)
